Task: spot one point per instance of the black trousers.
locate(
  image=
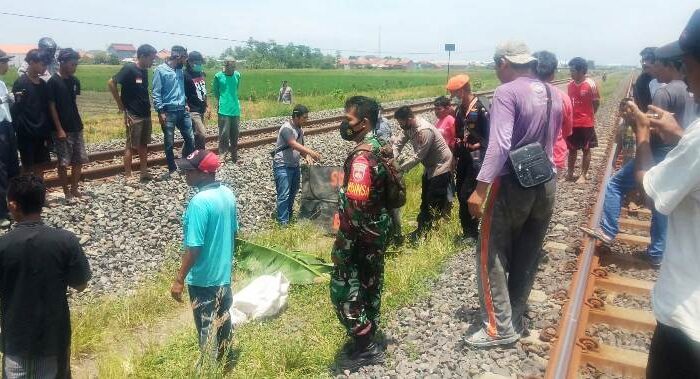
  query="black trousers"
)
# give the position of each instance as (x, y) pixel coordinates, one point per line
(673, 355)
(433, 200)
(465, 185)
(9, 164)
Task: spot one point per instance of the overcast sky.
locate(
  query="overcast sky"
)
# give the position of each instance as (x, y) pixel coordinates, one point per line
(607, 31)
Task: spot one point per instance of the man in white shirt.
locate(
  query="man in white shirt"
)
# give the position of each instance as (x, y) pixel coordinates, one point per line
(9, 166)
(674, 187)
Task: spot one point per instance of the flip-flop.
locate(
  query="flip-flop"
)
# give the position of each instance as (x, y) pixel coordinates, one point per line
(597, 234)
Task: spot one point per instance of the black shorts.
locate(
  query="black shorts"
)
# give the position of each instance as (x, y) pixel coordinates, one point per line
(582, 139)
(34, 151)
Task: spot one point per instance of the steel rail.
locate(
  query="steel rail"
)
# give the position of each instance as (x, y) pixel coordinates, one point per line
(560, 363)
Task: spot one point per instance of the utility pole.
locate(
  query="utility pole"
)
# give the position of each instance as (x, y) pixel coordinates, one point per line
(449, 47)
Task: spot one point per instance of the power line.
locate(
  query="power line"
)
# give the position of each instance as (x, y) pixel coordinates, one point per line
(217, 38)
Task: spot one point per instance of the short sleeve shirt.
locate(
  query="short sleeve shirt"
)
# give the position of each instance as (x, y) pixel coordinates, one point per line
(674, 186)
(285, 155)
(37, 263)
(582, 97)
(196, 91)
(226, 89)
(30, 112)
(134, 95)
(210, 223)
(63, 92)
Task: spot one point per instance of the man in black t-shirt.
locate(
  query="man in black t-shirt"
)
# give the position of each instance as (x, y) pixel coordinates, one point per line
(37, 264)
(68, 140)
(30, 116)
(136, 105)
(641, 92)
(196, 93)
(472, 131)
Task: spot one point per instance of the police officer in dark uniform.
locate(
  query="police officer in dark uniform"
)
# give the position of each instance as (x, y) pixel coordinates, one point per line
(472, 131)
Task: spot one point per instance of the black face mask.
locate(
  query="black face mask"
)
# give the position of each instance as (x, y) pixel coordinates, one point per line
(346, 131)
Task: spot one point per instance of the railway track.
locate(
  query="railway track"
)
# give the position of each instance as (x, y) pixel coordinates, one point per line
(596, 299)
(104, 164)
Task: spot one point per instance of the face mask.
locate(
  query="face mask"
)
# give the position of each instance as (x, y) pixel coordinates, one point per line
(456, 100)
(197, 68)
(346, 131)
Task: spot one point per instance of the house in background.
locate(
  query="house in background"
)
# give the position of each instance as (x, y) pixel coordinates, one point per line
(163, 55)
(122, 50)
(18, 50)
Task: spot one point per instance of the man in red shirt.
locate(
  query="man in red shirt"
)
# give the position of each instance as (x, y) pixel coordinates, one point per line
(585, 98)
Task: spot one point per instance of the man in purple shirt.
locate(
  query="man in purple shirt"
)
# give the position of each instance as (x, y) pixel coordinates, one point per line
(514, 219)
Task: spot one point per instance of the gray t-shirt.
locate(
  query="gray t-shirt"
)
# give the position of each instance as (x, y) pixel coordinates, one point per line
(672, 97)
(286, 156)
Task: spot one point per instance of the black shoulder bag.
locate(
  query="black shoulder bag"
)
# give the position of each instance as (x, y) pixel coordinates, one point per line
(530, 163)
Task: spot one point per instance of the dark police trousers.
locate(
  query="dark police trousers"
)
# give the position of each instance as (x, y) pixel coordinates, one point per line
(673, 354)
(508, 250)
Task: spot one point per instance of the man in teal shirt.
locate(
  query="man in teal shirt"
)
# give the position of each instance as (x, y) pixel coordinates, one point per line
(210, 224)
(226, 84)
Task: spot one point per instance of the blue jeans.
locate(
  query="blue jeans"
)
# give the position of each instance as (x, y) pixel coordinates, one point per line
(210, 306)
(287, 185)
(619, 184)
(181, 120)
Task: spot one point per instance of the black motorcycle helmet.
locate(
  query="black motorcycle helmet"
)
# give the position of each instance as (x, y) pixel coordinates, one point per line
(48, 45)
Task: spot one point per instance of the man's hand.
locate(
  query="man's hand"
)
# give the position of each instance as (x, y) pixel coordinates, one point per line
(665, 125)
(162, 118)
(176, 290)
(60, 134)
(475, 203)
(314, 155)
(473, 146)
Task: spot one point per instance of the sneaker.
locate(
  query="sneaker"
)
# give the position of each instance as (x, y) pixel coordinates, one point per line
(5, 223)
(597, 234)
(356, 358)
(654, 260)
(483, 339)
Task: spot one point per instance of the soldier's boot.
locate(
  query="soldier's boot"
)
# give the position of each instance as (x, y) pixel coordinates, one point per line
(364, 352)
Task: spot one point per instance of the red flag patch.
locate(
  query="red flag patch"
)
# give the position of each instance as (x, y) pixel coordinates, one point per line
(360, 179)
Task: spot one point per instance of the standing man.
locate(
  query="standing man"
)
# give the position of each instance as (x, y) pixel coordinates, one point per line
(285, 95)
(226, 84)
(546, 69)
(170, 103)
(196, 93)
(210, 225)
(64, 87)
(514, 219)
(673, 97)
(285, 162)
(365, 223)
(9, 167)
(641, 91)
(472, 131)
(47, 46)
(37, 264)
(429, 148)
(135, 103)
(586, 100)
(674, 187)
(30, 114)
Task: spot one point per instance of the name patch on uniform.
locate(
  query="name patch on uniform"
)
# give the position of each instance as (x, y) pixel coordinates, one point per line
(360, 180)
(139, 80)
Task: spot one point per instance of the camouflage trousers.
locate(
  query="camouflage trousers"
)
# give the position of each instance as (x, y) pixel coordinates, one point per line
(357, 279)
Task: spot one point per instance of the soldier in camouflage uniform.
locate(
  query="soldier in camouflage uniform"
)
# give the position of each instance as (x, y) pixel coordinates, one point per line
(358, 252)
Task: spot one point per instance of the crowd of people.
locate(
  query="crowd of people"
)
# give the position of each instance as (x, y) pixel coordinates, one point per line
(499, 158)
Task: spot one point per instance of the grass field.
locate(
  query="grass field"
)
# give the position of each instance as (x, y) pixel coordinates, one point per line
(317, 89)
